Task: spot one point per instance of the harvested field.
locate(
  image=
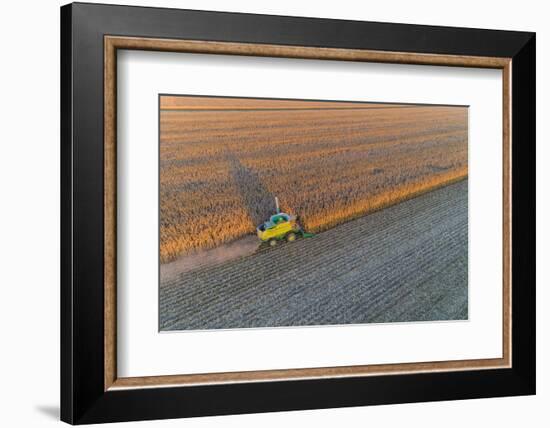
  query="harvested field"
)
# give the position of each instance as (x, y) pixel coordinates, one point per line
(222, 162)
(408, 262)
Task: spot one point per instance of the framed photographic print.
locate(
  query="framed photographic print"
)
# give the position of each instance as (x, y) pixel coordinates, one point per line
(265, 213)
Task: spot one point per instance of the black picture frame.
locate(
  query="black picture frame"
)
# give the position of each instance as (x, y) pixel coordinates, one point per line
(83, 398)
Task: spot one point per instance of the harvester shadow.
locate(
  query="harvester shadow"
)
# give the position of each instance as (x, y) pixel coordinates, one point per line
(257, 199)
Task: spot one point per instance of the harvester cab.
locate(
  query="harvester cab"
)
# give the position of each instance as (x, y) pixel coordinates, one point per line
(280, 227)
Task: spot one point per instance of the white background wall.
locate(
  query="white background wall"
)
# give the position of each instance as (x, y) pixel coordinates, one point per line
(29, 214)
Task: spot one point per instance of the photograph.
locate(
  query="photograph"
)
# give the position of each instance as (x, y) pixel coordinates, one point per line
(293, 213)
(270, 210)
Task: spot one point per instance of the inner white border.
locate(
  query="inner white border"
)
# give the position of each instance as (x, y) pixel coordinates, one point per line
(143, 351)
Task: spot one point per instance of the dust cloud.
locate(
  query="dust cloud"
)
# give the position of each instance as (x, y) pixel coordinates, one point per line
(233, 250)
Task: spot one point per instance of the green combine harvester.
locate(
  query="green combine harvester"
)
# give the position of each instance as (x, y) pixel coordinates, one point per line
(281, 227)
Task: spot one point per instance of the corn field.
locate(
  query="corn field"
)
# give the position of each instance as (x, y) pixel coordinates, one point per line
(223, 161)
